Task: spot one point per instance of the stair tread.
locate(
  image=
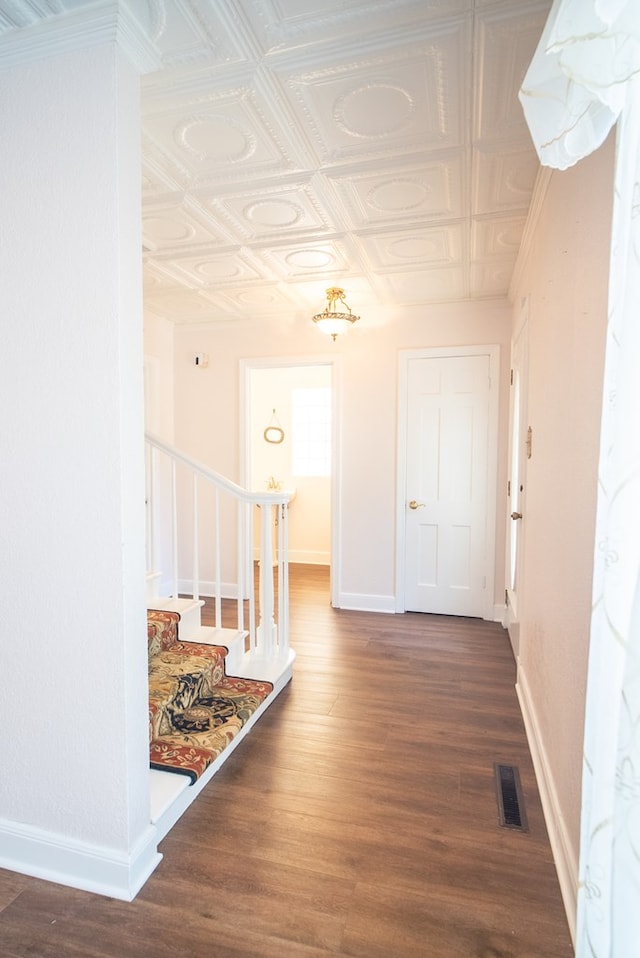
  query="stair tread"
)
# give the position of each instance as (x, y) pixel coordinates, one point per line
(210, 635)
(165, 787)
(171, 604)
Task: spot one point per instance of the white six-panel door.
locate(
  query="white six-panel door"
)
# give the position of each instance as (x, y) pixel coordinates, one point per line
(448, 489)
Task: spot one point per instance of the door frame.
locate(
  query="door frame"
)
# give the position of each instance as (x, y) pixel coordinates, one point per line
(519, 359)
(441, 352)
(335, 363)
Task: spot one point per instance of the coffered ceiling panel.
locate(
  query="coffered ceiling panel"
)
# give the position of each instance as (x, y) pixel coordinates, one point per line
(427, 286)
(297, 24)
(496, 237)
(209, 269)
(369, 107)
(330, 258)
(489, 279)
(177, 225)
(427, 190)
(212, 138)
(290, 145)
(290, 209)
(503, 181)
(242, 301)
(505, 39)
(408, 249)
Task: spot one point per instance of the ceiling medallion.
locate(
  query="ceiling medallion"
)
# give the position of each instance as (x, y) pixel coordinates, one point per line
(332, 321)
(373, 111)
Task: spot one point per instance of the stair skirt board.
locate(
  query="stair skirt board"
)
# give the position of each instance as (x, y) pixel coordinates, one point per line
(171, 793)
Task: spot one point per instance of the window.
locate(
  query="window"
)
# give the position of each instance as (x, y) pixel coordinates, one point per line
(311, 431)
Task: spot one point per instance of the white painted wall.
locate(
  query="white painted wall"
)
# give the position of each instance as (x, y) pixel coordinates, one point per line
(564, 273)
(207, 417)
(74, 795)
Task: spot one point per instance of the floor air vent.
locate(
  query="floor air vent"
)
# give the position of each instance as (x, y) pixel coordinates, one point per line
(510, 802)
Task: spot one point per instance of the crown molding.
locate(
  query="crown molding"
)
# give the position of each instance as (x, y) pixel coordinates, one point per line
(102, 22)
(540, 188)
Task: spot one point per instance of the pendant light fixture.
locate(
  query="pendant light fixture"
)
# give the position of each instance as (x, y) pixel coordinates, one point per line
(333, 320)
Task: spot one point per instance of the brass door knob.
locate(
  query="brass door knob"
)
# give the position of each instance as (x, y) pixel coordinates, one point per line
(416, 505)
(516, 515)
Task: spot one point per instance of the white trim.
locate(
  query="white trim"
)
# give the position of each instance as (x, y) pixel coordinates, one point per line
(57, 858)
(564, 856)
(208, 589)
(171, 799)
(519, 360)
(540, 188)
(499, 612)
(366, 603)
(493, 352)
(98, 24)
(334, 361)
(309, 557)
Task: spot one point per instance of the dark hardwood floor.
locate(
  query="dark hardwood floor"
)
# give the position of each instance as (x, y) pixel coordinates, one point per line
(358, 818)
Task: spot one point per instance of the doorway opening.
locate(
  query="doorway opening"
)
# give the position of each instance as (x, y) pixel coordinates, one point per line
(296, 403)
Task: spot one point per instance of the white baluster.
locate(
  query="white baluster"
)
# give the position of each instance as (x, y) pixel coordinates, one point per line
(218, 573)
(174, 529)
(283, 580)
(267, 625)
(195, 587)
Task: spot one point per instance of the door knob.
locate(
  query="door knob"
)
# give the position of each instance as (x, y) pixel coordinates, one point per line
(416, 505)
(516, 515)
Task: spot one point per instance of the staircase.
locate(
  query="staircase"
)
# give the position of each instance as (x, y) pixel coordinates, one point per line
(208, 531)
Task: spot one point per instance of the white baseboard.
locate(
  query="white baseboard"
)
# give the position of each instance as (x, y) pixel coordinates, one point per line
(309, 557)
(564, 856)
(228, 590)
(367, 603)
(57, 858)
(499, 615)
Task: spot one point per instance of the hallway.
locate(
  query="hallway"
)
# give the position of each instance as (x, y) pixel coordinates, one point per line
(358, 819)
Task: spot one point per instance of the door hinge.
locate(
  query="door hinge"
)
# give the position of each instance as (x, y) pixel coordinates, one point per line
(506, 597)
(511, 378)
(508, 487)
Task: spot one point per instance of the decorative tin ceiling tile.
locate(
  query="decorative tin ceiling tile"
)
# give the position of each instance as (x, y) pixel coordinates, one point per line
(289, 145)
(407, 249)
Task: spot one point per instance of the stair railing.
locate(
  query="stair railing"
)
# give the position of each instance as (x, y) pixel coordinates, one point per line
(189, 504)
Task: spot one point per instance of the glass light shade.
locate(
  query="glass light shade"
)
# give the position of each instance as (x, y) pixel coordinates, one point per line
(331, 321)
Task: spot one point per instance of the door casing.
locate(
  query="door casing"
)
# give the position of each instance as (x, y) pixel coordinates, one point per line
(335, 364)
(517, 473)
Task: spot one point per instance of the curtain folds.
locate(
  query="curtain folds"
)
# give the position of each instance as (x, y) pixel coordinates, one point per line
(575, 87)
(584, 78)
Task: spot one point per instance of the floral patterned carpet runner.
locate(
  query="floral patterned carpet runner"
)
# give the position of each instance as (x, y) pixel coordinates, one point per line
(195, 708)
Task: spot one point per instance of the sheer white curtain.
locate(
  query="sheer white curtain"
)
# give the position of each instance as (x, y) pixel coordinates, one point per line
(585, 77)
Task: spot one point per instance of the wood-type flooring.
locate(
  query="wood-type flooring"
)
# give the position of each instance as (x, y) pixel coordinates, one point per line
(357, 820)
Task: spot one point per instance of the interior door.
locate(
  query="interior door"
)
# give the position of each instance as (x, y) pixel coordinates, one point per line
(516, 486)
(446, 509)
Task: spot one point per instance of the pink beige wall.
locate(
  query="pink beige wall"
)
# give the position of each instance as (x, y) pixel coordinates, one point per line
(564, 274)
